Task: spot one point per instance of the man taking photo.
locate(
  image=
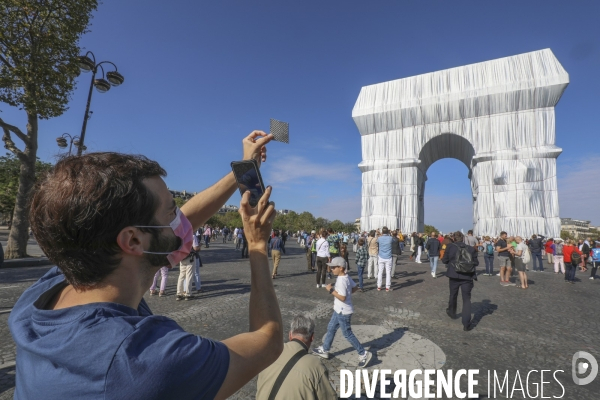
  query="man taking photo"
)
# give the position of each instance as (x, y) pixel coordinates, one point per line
(108, 221)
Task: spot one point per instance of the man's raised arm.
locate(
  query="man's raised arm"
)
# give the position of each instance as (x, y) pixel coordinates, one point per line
(251, 352)
(206, 203)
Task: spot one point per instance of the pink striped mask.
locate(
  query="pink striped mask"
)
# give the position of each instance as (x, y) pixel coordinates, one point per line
(182, 228)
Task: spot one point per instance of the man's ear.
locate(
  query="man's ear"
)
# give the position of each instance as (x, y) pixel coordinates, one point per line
(130, 241)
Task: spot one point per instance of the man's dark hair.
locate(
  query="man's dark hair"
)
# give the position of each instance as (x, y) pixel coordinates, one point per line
(503, 233)
(470, 232)
(276, 232)
(458, 236)
(372, 233)
(534, 236)
(385, 230)
(81, 206)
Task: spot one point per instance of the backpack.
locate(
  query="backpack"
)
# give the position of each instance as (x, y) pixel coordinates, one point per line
(559, 249)
(490, 249)
(463, 264)
(575, 257)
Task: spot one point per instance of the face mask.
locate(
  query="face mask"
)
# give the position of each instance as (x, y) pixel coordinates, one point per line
(182, 228)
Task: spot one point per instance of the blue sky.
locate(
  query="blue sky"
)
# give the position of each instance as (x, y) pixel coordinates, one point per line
(201, 75)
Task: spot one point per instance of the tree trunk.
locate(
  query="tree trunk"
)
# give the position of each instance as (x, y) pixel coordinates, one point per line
(19, 232)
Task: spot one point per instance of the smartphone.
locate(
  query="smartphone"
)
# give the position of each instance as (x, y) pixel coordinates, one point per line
(248, 178)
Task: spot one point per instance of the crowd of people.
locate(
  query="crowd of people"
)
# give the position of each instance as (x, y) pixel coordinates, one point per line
(111, 226)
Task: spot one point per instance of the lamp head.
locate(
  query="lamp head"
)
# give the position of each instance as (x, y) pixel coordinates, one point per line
(115, 78)
(86, 64)
(102, 85)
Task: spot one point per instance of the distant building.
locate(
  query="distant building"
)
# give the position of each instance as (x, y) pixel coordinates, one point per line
(284, 212)
(577, 228)
(228, 208)
(183, 194)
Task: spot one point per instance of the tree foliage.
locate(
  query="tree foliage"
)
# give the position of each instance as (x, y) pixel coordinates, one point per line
(430, 228)
(292, 221)
(9, 181)
(39, 52)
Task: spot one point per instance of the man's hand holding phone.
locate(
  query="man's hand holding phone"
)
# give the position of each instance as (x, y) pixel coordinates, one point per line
(258, 221)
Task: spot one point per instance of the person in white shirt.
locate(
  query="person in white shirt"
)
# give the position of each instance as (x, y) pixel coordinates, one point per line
(342, 313)
(323, 257)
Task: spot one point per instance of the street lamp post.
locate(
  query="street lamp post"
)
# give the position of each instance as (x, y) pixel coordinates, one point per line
(113, 78)
(73, 140)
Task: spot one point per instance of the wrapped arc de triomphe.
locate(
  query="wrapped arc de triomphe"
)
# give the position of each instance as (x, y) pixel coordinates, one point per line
(497, 117)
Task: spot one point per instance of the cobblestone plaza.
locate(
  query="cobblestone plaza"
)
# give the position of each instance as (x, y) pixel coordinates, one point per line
(516, 330)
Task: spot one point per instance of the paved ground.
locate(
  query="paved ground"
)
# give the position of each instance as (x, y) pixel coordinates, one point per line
(517, 330)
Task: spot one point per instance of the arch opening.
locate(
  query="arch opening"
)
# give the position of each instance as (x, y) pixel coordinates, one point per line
(446, 145)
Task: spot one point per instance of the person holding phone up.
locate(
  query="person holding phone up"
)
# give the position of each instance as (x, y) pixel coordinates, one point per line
(108, 221)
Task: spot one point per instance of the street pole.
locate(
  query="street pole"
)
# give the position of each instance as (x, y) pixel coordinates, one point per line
(87, 112)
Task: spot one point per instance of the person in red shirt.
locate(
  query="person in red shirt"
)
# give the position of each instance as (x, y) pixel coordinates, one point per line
(571, 264)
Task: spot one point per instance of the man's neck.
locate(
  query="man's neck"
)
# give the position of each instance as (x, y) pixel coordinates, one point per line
(124, 286)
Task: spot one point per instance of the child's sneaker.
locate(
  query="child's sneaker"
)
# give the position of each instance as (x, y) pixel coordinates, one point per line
(318, 351)
(364, 360)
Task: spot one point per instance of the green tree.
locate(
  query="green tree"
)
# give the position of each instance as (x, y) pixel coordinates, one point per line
(321, 223)
(349, 227)
(430, 228)
(337, 225)
(566, 235)
(9, 182)
(38, 66)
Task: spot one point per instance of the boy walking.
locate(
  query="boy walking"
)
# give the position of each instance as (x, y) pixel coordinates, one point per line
(342, 313)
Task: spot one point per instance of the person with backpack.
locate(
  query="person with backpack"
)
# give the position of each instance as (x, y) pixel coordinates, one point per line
(488, 255)
(225, 234)
(522, 257)
(334, 246)
(572, 259)
(461, 261)
(595, 254)
(558, 256)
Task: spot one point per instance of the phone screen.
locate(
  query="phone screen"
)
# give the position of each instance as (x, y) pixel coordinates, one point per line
(248, 178)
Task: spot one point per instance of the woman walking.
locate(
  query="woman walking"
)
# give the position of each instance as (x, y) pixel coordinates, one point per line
(163, 282)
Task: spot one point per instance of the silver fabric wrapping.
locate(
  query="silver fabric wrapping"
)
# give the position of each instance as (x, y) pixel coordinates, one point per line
(497, 117)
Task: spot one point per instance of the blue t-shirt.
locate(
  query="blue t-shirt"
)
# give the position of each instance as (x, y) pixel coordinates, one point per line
(385, 246)
(108, 351)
